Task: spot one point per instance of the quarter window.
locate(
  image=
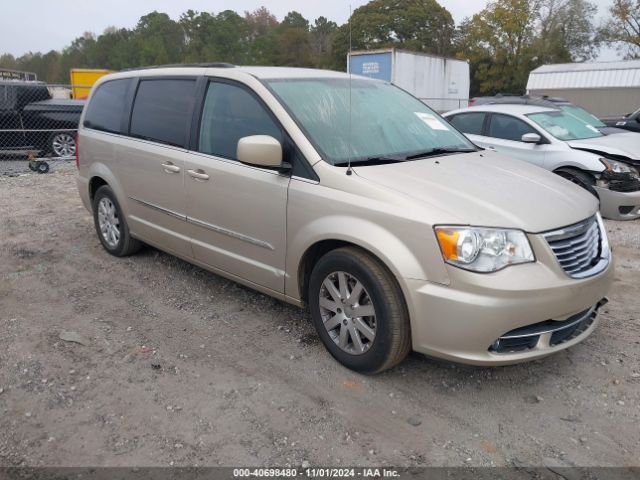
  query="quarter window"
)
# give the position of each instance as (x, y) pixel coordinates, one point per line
(161, 110)
(230, 112)
(470, 123)
(106, 108)
(508, 128)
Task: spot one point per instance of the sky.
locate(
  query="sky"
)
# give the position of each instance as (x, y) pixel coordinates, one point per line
(43, 25)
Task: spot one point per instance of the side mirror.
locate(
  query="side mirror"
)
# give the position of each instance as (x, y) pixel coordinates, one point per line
(260, 150)
(531, 138)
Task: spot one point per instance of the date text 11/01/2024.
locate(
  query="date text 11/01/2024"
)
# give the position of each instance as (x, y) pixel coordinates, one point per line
(319, 472)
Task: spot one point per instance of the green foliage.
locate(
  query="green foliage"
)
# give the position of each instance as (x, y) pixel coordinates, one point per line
(623, 28)
(418, 25)
(503, 42)
(509, 38)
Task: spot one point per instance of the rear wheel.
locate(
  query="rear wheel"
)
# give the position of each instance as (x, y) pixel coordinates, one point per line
(62, 144)
(111, 225)
(359, 311)
(580, 178)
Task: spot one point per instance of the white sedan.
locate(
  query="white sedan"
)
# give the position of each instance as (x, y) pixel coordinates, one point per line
(604, 164)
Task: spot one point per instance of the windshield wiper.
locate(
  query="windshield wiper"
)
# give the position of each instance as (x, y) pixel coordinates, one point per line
(438, 151)
(382, 159)
(374, 160)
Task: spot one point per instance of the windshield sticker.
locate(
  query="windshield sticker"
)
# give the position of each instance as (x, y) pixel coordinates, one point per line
(432, 121)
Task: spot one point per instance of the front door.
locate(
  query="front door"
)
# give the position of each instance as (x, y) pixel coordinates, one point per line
(236, 212)
(504, 135)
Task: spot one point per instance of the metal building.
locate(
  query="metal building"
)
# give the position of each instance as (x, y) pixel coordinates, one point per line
(442, 83)
(604, 88)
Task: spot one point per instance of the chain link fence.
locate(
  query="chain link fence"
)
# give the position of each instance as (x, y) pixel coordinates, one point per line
(38, 126)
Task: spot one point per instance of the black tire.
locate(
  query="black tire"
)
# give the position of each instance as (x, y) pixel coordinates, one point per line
(126, 244)
(392, 341)
(580, 178)
(42, 167)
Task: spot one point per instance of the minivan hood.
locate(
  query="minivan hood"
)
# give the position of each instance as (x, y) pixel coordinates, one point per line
(487, 189)
(625, 144)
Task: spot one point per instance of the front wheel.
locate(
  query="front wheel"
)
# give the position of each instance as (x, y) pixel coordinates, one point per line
(111, 225)
(359, 311)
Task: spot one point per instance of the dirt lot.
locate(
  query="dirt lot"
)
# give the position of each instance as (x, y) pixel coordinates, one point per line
(185, 368)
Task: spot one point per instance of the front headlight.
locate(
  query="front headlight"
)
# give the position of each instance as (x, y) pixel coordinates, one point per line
(614, 166)
(483, 249)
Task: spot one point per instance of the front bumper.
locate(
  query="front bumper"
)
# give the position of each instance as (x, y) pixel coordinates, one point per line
(462, 321)
(619, 205)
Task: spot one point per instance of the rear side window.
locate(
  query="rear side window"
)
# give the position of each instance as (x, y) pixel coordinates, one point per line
(230, 113)
(161, 110)
(106, 107)
(470, 123)
(508, 128)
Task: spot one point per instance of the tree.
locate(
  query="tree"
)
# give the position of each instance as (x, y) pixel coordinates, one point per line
(197, 29)
(566, 31)
(261, 24)
(323, 33)
(8, 61)
(114, 50)
(418, 25)
(158, 39)
(623, 28)
(261, 21)
(292, 41)
(230, 37)
(498, 41)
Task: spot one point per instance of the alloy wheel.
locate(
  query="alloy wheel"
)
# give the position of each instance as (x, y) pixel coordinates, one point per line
(63, 145)
(348, 313)
(109, 222)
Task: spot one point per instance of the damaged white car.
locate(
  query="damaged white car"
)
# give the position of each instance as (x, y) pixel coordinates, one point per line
(604, 164)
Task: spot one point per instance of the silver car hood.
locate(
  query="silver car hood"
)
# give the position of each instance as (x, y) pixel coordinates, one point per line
(486, 189)
(623, 144)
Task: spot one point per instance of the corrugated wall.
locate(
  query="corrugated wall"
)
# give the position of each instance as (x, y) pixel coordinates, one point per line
(615, 78)
(602, 102)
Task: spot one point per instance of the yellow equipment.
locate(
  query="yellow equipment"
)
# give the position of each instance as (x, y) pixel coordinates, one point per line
(82, 79)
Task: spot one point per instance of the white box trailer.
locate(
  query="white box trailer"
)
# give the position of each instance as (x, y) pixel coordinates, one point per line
(442, 83)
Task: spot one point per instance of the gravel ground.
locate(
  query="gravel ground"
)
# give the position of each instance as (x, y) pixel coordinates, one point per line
(182, 367)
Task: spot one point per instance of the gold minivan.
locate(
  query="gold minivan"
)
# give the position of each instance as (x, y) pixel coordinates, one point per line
(349, 196)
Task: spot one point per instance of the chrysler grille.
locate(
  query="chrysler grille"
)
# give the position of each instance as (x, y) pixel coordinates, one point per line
(578, 248)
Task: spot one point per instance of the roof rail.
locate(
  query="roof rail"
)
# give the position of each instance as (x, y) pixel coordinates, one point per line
(539, 101)
(185, 65)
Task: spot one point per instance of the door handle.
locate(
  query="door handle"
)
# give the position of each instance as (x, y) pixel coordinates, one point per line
(169, 167)
(198, 174)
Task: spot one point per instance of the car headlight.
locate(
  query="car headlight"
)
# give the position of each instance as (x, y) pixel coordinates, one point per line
(618, 167)
(483, 249)
(620, 124)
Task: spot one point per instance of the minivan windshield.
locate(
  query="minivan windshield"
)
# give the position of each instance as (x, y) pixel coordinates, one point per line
(582, 114)
(564, 126)
(386, 124)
